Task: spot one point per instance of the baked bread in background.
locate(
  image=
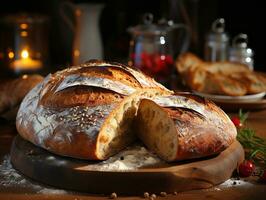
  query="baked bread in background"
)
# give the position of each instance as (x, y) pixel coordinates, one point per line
(223, 78)
(90, 112)
(12, 93)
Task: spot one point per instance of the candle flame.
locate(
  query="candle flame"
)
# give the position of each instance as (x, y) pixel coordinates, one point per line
(11, 55)
(23, 26)
(24, 33)
(24, 53)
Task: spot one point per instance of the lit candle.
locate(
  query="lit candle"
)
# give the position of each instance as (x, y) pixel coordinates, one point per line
(26, 63)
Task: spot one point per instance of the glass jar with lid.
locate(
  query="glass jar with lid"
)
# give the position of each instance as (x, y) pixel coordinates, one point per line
(217, 42)
(153, 47)
(240, 52)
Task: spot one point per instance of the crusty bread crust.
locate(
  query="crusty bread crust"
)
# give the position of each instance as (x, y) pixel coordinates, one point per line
(67, 113)
(190, 127)
(88, 112)
(224, 78)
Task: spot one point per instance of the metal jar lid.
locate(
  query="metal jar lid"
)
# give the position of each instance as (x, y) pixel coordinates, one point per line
(149, 28)
(217, 33)
(240, 46)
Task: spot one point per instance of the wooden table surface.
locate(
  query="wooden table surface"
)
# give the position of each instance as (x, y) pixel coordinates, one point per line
(231, 189)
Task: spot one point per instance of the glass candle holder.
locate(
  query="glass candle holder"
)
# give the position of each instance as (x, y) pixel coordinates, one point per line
(23, 43)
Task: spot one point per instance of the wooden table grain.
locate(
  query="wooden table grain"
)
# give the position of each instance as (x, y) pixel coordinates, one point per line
(243, 189)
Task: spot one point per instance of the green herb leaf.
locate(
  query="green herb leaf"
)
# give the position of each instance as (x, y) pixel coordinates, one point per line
(255, 147)
(242, 116)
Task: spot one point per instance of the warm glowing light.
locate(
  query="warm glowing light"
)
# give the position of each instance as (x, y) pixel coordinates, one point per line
(23, 26)
(26, 63)
(11, 54)
(76, 53)
(24, 54)
(25, 76)
(78, 12)
(24, 33)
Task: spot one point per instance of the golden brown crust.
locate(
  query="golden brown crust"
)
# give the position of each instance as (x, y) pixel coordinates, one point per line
(13, 91)
(66, 113)
(200, 140)
(224, 78)
(83, 113)
(109, 72)
(196, 125)
(254, 82)
(81, 95)
(187, 61)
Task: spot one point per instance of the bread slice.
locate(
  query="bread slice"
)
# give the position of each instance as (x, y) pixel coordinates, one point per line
(225, 67)
(196, 78)
(254, 82)
(215, 77)
(223, 85)
(186, 129)
(187, 61)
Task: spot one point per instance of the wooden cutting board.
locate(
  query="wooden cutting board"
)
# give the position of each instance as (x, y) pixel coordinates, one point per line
(75, 174)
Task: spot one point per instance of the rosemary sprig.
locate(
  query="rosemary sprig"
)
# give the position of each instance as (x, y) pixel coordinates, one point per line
(255, 147)
(242, 116)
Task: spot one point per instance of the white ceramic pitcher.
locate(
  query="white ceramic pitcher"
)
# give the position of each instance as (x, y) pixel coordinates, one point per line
(87, 42)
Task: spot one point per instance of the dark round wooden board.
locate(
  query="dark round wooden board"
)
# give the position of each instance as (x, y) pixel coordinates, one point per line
(67, 173)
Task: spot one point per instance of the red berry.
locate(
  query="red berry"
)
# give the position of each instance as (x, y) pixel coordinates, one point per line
(236, 121)
(132, 56)
(246, 168)
(156, 63)
(169, 60)
(146, 65)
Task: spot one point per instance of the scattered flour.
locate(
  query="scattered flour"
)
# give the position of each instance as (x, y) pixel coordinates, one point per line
(235, 182)
(9, 177)
(132, 158)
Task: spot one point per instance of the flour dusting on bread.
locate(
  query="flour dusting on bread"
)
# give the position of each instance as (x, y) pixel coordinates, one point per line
(95, 110)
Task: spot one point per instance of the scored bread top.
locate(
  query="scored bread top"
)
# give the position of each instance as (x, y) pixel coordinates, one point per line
(92, 83)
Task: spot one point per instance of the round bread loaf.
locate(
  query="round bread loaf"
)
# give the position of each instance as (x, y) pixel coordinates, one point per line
(85, 111)
(91, 112)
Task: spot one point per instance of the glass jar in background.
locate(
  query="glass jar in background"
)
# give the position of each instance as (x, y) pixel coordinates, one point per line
(23, 44)
(152, 48)
(239, 52)
(217, 42)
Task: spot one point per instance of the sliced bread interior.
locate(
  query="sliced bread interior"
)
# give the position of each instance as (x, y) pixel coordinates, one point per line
(157, 130)
(118, 132)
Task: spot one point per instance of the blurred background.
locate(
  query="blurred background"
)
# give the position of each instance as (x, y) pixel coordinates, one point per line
(115, 16)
